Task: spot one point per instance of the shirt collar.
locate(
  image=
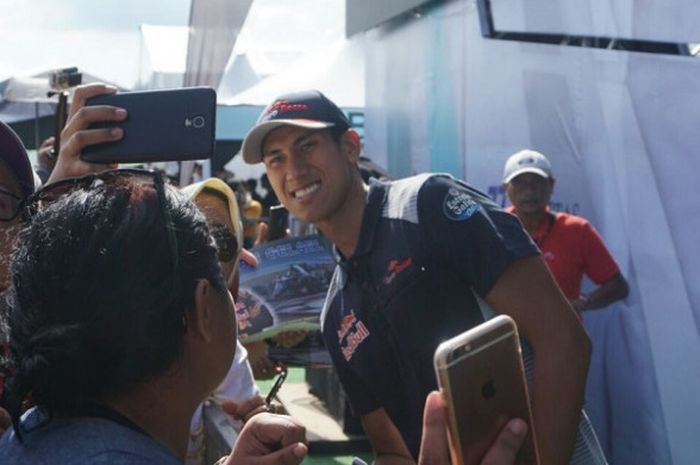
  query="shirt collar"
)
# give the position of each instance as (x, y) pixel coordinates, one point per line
(544, 227)
(375, 200)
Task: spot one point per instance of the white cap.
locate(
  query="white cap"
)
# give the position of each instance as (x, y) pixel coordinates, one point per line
(526, 161)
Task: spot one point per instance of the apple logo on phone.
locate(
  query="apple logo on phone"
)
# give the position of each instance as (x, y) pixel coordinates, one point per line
(488, 390)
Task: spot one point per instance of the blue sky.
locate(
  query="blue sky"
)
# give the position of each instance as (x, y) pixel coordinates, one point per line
(102, 36)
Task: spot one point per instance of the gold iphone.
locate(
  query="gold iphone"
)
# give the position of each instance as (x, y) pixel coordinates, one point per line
(480, 374)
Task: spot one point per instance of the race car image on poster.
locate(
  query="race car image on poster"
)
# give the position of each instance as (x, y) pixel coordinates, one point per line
(286, 291)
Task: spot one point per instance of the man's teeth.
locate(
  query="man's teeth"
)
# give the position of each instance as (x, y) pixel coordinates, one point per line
(307, 190)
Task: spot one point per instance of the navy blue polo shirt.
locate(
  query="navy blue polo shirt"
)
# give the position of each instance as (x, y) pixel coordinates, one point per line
(428, 246)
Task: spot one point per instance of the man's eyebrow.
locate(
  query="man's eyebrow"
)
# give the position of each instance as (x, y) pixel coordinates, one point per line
(302, 138)
(306, 135)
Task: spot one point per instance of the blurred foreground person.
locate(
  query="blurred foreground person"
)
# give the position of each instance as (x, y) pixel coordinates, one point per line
(120, 325)
(17, 182)
(570, 245)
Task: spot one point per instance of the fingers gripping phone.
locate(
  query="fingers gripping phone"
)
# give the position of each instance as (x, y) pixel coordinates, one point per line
(161, 125)
(480, 374)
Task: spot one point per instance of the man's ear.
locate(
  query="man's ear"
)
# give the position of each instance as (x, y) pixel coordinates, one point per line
(199, 318)
(351, 145)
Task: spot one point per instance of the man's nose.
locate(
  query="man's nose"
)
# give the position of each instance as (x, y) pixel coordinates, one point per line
(298, 166)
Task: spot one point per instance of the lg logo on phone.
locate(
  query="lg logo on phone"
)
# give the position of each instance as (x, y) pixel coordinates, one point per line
(196, 122)
(488, 390)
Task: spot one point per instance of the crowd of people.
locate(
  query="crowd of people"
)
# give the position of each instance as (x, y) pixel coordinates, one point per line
(118, 312)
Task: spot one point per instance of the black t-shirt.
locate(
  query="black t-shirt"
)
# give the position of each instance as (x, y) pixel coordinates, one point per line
(430, 247)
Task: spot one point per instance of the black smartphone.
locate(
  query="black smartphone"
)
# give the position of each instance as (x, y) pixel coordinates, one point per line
(481, 376)
(162, 125)
(278, 223)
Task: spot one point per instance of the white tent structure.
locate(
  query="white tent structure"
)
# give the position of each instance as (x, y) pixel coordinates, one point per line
(337, 70)
(24, 98)
(162, 56)
(244, 70)
(619, 126)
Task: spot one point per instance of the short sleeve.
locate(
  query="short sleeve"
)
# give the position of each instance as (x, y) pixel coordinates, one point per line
(470, 232)
(599, 265)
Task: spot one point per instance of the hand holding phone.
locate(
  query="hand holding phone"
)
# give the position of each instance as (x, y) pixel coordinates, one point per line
(481, 377)
(162, 125)
(76, 135)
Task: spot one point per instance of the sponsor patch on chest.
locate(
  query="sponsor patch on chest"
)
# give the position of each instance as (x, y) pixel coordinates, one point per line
(351, 334)
(459, 205)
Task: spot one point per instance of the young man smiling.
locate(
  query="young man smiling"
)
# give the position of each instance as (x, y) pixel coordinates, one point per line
(418, 261)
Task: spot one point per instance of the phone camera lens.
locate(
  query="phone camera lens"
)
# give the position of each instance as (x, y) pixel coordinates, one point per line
(198, 122)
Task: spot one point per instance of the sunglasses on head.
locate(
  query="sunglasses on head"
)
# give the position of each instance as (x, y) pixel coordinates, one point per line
(10, 205)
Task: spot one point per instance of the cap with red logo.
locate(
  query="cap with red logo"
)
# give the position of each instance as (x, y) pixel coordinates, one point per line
(308, 109)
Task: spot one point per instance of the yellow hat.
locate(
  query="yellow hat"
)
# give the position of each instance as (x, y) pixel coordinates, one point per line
(216, 184)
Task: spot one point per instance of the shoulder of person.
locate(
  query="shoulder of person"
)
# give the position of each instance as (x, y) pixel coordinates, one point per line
(572, 221)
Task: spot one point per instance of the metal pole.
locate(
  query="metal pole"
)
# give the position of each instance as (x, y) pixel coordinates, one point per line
(36, 126)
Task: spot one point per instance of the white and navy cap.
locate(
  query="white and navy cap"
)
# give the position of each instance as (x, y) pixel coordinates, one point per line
(308, 109)
(526, 161)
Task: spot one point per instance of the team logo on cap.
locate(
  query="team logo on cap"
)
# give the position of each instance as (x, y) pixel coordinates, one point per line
(283, 106)
(459, 205)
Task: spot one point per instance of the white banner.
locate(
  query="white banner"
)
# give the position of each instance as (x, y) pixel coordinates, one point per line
(621, 131)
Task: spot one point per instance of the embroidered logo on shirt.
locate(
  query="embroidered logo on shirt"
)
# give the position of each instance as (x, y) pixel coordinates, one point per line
(548, 256)
(396, 268)
(459, 205)
(351, 334)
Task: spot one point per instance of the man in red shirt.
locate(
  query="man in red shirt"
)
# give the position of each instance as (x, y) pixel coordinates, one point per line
(570, 245)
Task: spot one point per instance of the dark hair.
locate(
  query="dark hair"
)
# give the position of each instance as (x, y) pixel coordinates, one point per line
(96, 310)
(336, 133)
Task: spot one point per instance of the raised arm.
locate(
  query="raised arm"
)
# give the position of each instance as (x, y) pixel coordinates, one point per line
(76, 135)
(387, 443)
